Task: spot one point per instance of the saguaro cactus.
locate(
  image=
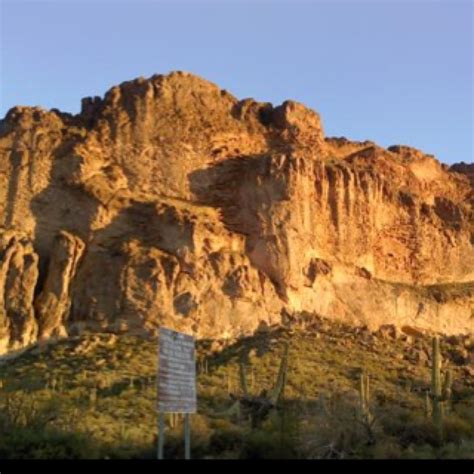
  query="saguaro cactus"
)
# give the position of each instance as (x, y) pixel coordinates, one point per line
(229, 381)
(428, 405)
(364, 393)
(366, 417)
(203, 366)
(279, 387)
(258, 406)
(93, 396)
(123, 432)
(243, 379)
(440, 387)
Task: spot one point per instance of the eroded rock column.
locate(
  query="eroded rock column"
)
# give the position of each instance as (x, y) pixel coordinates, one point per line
(54, 302)
(18, 278)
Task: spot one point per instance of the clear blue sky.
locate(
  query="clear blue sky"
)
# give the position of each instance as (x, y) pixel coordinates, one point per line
(394, 72)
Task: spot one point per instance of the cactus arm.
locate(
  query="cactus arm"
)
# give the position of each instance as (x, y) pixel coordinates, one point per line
(428, 407)
(279, 387)
(367, 390)
(436, 370)
(448, 381)
(243, 379)
(362, 393)
(436, 389)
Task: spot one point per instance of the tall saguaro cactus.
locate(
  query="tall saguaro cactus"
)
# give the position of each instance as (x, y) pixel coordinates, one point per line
(279, 387)
(258, 406)
(440, 387)
(364, 392)
(366, 417)
(243, 379)
(436, 380)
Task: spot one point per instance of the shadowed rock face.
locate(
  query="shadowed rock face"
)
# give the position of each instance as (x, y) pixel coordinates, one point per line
(171, 202)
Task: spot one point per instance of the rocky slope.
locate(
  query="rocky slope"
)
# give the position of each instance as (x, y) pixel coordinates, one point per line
(171, 202)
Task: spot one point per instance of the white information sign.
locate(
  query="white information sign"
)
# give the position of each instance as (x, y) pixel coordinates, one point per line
(176, 372)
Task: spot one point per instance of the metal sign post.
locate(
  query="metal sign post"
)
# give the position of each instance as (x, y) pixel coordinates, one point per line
(161, 434)
(176, 383)
(187, 436)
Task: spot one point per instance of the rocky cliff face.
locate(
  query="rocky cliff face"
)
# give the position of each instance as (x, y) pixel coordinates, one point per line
(171, 202)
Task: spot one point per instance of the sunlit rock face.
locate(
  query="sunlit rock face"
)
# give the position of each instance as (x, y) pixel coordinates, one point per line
(170, 202)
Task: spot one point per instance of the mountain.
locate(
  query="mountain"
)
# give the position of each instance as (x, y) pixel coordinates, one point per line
(171, 202)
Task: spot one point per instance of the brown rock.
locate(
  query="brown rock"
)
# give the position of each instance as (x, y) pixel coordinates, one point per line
(469, 371)
(408, 340)
(420, 357)
(53, 303)
(412, 331)
(387, 331)
(459, 356)
(469, 343)
(455, 340)
(464, 168)
(216, 346)
(170, 202)
(18, 278)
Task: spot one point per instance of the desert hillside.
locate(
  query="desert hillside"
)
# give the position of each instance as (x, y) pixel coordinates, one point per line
(171, 202)
(94, 396)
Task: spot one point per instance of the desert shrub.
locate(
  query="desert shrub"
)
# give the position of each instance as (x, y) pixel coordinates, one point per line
(457, 429)
(201, 434)
(28, 443)
(29, 429)
(412, 429)
(465, 411)
(387, 448)
(260, 444)
(336, 430)
(277, 438)
(226, 437)
(422, 451)
(462, 450)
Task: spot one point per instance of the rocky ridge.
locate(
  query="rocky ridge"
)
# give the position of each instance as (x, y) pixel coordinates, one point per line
(171, 202)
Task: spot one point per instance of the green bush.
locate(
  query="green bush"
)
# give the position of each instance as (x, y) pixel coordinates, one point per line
(28, 443)
(278, 438)
(226, 437)
(388, 448)
(410, 427)
(457, 429)
(260, 444)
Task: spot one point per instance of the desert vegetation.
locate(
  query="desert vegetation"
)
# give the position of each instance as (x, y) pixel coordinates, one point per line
(319, 389)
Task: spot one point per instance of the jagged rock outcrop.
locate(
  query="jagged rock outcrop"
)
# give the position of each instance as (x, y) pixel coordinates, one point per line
(171, 202)
(465, 168)
(18, 278)
(53, 303)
